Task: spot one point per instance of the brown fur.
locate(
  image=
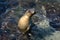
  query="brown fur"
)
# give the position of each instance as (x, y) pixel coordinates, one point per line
(23, 22)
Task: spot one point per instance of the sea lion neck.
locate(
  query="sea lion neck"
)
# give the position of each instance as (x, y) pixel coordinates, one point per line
(28, 14)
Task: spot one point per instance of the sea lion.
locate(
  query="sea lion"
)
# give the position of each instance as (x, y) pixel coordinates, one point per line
(24, 21)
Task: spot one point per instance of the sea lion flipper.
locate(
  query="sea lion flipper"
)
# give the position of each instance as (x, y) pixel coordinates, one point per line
(26, 30)
(28, 27)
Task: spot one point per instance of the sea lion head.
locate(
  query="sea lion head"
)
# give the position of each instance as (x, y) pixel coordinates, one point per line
(30, 12)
